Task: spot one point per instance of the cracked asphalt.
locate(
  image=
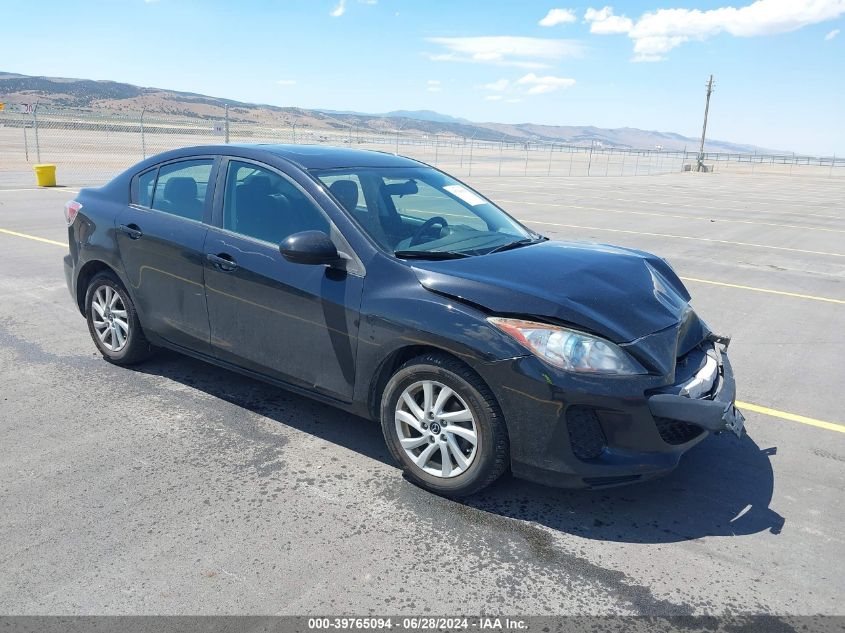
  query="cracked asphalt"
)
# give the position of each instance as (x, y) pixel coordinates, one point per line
(178, 488)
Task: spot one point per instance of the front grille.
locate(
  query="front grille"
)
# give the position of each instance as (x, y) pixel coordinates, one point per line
(585, 434)
(676, 432)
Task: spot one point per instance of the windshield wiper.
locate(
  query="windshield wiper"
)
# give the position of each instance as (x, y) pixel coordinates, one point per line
(517, 243)
(429, 254)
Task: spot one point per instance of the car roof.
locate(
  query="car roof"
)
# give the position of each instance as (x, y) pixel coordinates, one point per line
(329, 157)
(303, 156)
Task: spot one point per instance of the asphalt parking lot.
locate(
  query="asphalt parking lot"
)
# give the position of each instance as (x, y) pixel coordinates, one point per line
(176, 487)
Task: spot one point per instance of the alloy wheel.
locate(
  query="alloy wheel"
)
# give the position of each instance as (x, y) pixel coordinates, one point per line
(436, 429)
(110, 318)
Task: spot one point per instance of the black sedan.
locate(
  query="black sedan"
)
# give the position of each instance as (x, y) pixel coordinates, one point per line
(383, 286)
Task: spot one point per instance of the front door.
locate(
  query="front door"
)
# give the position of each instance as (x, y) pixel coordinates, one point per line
(160, 237)
(294, 322)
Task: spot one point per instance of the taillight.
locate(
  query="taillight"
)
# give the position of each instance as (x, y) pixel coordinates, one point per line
(72, 207)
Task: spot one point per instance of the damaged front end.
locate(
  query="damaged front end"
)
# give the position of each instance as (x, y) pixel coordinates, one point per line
(705, 398)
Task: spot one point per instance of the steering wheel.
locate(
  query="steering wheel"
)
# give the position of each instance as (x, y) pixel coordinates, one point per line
(420, 232)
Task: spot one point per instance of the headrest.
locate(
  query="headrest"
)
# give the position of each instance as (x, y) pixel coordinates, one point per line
(346, 192)
(259, 185)
(180, 188)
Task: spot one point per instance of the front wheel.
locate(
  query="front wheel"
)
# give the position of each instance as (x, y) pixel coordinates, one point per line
(443, 425)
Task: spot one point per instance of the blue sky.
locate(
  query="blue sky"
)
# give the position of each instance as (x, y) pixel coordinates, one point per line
(779, 64)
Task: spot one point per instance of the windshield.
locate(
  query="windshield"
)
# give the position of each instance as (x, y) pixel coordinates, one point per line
(418, 210)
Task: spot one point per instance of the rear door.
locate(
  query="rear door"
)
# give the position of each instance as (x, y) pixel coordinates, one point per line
(294, 322)
(161, 236)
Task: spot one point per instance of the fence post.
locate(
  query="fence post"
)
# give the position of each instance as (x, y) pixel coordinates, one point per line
(501, 150)
(637, 164)
(525, 169)
(607, 163)
(25, 142)
(35, 126)
(590, 159)
(624, 156)
(226, 124)
(832, 163)
(471, 144)
(143, 139)
(436, 148)
(549, 169)
(570, 161)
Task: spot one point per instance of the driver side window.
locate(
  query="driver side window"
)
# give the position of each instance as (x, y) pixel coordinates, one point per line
(261, 203)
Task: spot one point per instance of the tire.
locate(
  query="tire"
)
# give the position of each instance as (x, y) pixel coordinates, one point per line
(425, 430)
(117, 333)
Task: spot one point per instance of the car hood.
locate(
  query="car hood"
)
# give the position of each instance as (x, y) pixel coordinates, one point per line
(619, 293)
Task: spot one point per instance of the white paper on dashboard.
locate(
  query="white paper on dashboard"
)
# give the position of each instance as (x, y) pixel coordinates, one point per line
(465, 194)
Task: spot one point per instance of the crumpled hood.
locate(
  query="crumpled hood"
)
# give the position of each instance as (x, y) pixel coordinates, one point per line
(619, 293)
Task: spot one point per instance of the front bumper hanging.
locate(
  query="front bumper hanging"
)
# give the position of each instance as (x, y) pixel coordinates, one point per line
(716, 413)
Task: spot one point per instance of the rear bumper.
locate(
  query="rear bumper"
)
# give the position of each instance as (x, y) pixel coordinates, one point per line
(69, 277)
(592, 432)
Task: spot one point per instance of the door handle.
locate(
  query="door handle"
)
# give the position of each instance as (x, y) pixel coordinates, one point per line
(223, 261)
(132, 230)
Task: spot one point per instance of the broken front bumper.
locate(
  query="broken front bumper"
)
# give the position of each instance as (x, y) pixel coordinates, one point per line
(594, 431)
(709, 406)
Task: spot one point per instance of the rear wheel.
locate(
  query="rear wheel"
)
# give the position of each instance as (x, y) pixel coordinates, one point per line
(113, 321)
(443, 425)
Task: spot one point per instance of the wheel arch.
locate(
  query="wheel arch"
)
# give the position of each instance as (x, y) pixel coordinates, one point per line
(87, 273)
(395, 359)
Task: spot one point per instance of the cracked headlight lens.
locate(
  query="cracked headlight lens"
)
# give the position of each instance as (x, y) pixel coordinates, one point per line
(569, 349)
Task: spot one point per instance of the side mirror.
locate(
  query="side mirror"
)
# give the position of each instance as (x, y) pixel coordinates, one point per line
(309, 247)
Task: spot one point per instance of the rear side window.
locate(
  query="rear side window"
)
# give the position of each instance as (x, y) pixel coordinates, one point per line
(181, 188)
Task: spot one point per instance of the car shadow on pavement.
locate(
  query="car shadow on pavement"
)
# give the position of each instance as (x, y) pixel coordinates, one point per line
(722, 487)
(277, 404)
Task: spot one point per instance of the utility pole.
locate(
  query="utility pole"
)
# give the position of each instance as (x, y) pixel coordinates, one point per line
(700, 165)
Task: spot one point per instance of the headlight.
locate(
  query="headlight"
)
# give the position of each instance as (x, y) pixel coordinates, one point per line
(569, 349)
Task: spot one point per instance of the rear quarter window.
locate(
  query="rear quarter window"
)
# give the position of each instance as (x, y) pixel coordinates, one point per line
(144, 184)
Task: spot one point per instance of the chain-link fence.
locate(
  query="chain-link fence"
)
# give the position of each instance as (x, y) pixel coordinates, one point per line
(90, 147)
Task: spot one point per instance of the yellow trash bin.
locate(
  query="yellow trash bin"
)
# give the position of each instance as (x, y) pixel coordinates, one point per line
(45, 175)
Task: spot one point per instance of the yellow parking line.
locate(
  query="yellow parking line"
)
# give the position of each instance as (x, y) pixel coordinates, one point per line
(687, 237)
(59, 189)
(33, 237)
(755, 289)
(830, 426)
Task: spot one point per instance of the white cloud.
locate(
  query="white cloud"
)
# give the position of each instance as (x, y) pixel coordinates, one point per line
(831, 35)
(493, 98)
(498, 86)
(433, 85)
(604, 22)
(542, 85)
(368, 1)
(557, 16)
(656, 33)
(286, 82)
(339, 10)
(505, 50)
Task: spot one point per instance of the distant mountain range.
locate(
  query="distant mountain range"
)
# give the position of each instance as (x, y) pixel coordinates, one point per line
(123, 98)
